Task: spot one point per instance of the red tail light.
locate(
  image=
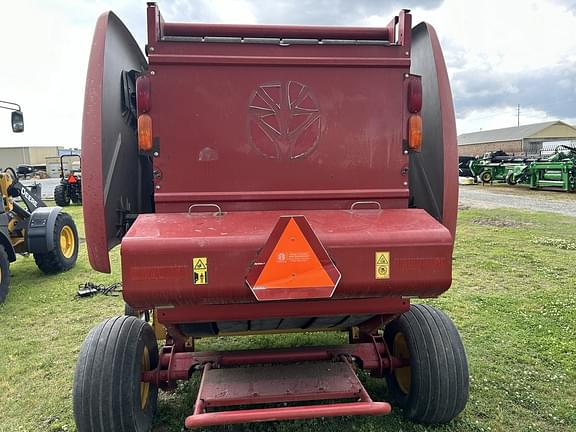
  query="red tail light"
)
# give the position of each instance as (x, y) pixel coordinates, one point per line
(72, 180)
(143, 94)
(414, 94)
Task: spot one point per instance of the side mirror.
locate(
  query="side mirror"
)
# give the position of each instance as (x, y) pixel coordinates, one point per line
(17, 121)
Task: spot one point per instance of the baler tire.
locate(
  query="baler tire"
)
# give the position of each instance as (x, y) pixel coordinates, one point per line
(511, 180)
(61, 196)
(63, 256)
(4, 274)
(107, 394)
(437, 387)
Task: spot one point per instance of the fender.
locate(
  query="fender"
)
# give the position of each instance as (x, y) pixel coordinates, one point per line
(5, 241)
(40, 232)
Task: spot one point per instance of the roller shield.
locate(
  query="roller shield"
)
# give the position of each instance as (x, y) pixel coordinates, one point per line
(114, 176)
(434, 170)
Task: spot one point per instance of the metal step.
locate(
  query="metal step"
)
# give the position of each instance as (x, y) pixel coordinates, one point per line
(271, 384)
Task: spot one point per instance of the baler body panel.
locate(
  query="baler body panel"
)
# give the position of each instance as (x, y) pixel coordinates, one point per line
(207, 144)
(263, 126)
(270, 127)
(159, 249)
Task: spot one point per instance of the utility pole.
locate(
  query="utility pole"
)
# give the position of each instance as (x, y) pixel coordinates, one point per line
(518, 114)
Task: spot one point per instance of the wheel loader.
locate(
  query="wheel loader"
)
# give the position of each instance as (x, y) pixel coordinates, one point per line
(268, 179)
(47, 233)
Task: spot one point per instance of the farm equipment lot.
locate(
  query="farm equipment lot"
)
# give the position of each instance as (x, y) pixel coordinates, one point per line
(513, 299)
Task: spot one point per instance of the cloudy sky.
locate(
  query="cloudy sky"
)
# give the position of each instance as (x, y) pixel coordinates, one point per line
(500, 54)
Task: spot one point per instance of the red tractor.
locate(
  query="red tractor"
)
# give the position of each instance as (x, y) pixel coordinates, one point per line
(70, 186)
(270, 179)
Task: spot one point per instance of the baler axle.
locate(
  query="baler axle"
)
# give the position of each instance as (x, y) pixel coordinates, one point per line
(175, 366)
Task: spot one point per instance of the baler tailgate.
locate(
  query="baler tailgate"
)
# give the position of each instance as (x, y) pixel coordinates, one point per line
(314, 381)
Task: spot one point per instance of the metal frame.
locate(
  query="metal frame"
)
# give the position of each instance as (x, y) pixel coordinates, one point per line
(373, 356)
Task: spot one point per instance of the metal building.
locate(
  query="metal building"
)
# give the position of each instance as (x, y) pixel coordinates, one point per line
(14, 156)
(520, 140)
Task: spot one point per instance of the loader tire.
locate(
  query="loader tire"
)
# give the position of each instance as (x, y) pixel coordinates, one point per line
(61, 196)
(108, 395)
(65, 252)
(4, 274)
(433, 389)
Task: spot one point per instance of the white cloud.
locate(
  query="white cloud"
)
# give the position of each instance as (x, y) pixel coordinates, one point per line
(233, 11)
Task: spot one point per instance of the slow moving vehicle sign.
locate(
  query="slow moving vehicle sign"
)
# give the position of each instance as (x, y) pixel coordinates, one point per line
(293, 264)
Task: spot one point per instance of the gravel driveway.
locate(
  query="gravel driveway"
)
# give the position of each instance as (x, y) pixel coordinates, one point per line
(482, 197)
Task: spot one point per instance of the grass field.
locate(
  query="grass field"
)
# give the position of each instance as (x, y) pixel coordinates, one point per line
(513, 299)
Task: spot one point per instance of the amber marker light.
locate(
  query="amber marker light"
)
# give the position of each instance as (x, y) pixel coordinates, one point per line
(415, 132)
(144, 133)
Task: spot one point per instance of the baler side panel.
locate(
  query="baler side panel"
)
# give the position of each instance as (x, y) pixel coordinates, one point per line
(434, 171)
(112, 171)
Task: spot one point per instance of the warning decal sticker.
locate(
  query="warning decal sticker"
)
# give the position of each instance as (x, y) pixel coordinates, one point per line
(200, 270)
(382, 265)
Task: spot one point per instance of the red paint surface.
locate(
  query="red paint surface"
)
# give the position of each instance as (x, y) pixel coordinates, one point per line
(92, 187)
(159, 248)
(264, 126)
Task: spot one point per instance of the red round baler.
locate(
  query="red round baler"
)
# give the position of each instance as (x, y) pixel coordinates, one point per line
(269, 179)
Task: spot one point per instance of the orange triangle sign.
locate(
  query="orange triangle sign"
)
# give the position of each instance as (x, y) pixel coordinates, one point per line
(293, 264)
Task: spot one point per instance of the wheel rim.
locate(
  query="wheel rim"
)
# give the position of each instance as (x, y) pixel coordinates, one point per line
(144, 386)
(67, 242)
(403, 374)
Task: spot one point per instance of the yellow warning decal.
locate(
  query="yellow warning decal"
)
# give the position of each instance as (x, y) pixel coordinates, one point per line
(200, 270)
(382, 265)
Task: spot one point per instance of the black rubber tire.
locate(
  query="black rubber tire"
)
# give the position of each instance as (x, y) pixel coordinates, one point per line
(4, 274)
(106, 392)
(439, 381)
(510, 179)
(54, 261)
(76, 199)
(486, 177)
(61, 196)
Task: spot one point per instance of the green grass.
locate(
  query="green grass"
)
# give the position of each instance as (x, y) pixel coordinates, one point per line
(513, 298)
